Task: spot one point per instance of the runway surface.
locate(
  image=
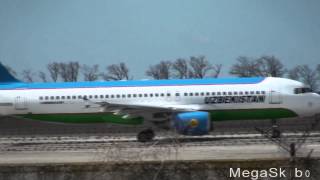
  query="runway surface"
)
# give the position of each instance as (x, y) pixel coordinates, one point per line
(24, 141)
(76, 149)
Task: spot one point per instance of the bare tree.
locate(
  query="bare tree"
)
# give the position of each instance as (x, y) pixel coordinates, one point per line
(90, 73)
(200, 66)
(217, 70)
(117, 72)
(74, 71)
(69, 71)
(27, 75)
(42, 76)
(245, 67)
(180, 68)
(305, 74)
(270, 66)
(160, 71)
(64, 72)
(53, 69)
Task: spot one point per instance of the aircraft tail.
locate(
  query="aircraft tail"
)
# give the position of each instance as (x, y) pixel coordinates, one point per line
(6, 76)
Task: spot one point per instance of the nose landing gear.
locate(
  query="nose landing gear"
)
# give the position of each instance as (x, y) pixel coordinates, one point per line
(275, 132)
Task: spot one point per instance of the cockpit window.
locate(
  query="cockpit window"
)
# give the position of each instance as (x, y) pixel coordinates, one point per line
(302, 90)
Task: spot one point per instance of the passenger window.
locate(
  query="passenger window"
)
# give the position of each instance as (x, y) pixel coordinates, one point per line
(123, 95)
(246, 92)
(140, 95)
(74, 97)
(57, 97)
(156, 94)
(101, 96)
(196, 94)
(46, 97)
(112, 96)
(162, 94)
(213, 93)
(263, 92)
(129, 95)
(190, 94)
(241, 93)
(62, 97)
(145, 95)
(224, 93)
(40, 98)
(185, 94)
(68, 97)
(151, 95)
(235, 93)
(90, 96)
(219, 93)
(257, 92)
(202, 94)
(52, 97)
(107, 96)
(251, 92)
(177, 94)
(168, 94)
(208, 94)
(96, 96)
(118, 95)
(134, 95)
(229, 93)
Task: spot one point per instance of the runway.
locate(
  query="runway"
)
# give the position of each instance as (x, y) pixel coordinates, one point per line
(46, 143)
(72, 149)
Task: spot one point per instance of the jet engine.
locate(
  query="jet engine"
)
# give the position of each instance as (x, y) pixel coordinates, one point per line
(192, 123)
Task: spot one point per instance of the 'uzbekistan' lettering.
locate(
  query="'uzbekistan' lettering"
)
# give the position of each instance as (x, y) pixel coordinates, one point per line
(234, 99)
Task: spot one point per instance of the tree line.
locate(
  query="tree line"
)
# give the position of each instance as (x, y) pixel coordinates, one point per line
(182, 68)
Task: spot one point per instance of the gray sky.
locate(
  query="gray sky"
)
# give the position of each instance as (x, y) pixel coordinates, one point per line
(143, 32)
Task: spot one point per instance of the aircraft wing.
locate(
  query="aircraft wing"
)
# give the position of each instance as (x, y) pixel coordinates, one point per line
(134, 110)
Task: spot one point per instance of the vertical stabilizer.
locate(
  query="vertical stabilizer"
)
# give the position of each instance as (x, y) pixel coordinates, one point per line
(5, 76)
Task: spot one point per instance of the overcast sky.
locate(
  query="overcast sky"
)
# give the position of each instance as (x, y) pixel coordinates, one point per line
(143, 32)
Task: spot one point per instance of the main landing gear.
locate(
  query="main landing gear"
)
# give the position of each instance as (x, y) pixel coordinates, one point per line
(146, 135)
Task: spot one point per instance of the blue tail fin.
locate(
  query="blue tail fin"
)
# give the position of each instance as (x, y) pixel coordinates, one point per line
(5, 76)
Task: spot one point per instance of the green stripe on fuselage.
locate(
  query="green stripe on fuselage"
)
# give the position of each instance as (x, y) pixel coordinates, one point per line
(84, 118)
(247, 114)
(216, 115)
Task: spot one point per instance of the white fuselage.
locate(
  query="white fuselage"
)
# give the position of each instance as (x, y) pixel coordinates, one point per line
(278, 93)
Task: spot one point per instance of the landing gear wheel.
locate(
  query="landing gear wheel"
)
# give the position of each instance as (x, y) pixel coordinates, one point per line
(146, 135)
(276, 133)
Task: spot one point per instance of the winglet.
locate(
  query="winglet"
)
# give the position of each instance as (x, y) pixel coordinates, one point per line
(5, 76)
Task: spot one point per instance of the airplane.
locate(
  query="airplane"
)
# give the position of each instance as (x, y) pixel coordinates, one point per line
(190, 106)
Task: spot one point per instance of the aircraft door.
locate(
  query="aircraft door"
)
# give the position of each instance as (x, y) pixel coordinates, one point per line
(275, 97)
(20, 103)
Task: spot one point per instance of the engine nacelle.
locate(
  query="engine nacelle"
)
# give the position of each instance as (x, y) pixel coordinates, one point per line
(193, 123)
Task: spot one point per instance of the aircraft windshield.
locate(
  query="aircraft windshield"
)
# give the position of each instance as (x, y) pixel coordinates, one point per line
(302, 90)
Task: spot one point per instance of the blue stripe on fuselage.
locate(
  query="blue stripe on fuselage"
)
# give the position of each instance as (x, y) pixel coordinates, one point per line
(133, 83)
